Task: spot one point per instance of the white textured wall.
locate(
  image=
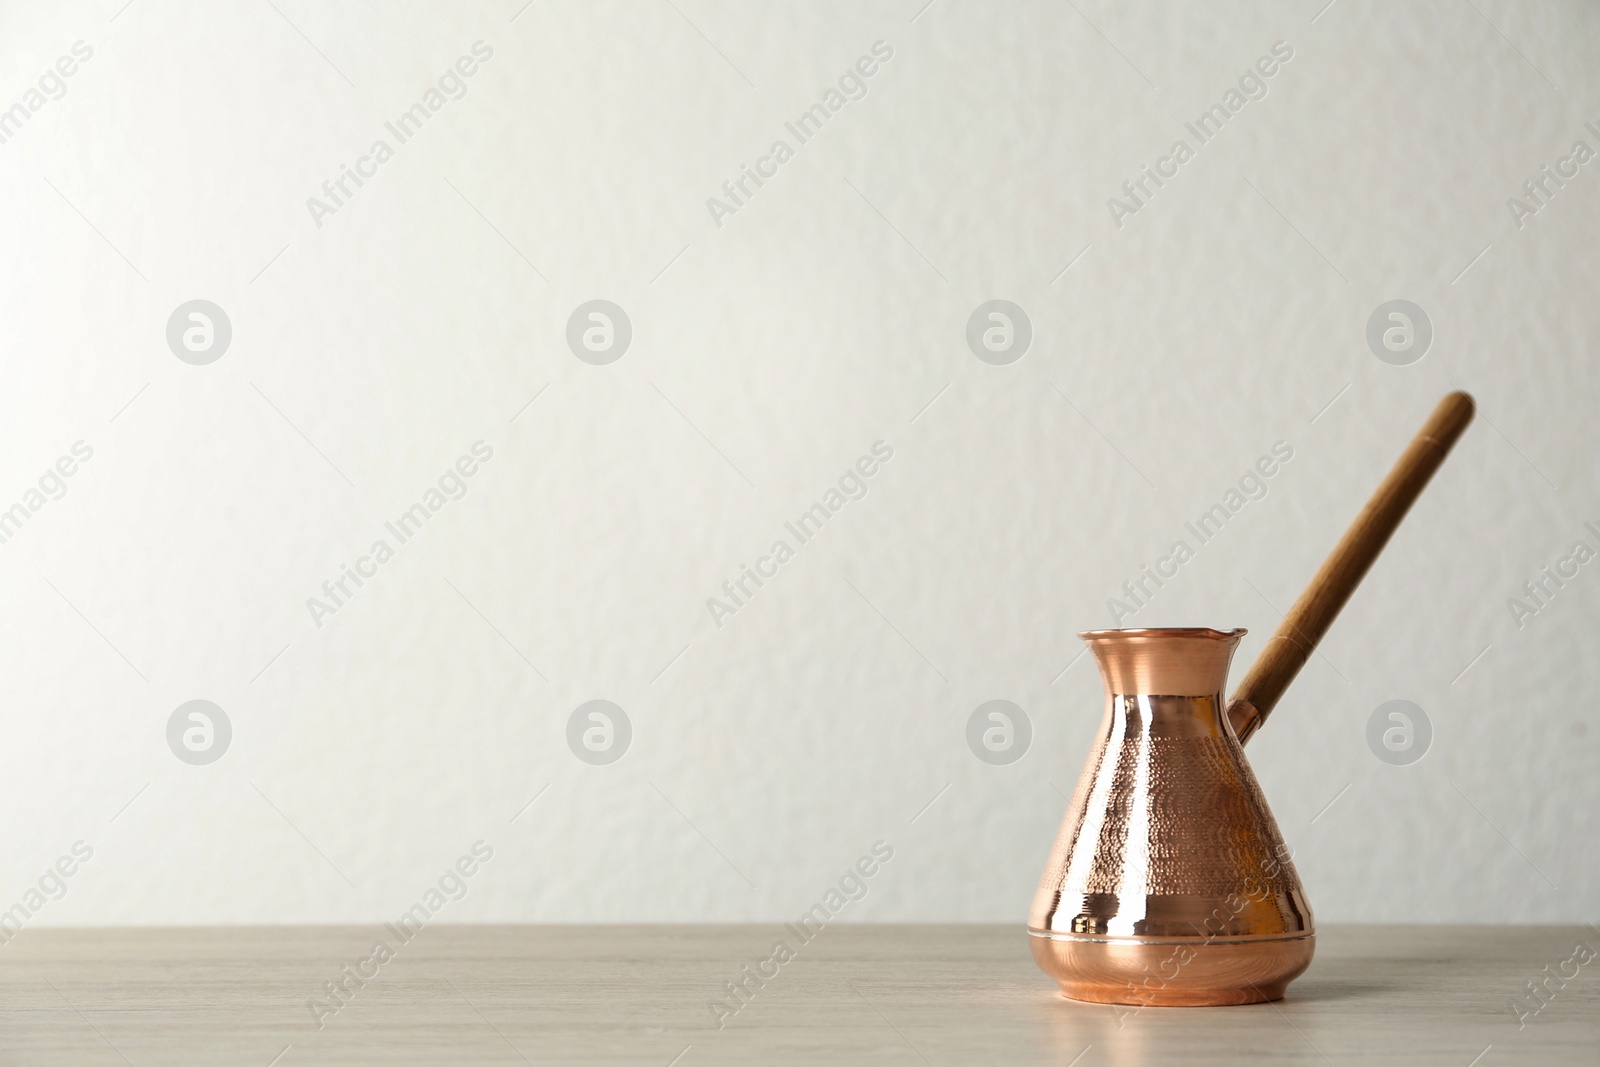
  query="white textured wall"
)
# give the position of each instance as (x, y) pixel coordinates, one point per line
(768, 353)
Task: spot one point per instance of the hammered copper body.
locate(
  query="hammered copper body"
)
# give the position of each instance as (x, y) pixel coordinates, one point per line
(1169, 883)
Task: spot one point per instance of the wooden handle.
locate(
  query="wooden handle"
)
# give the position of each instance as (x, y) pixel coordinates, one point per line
(1291, 645)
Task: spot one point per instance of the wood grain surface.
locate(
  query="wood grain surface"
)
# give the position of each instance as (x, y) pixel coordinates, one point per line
(853, 995)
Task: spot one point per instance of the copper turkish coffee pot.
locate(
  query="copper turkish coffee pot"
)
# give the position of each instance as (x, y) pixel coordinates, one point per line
(1169, 883)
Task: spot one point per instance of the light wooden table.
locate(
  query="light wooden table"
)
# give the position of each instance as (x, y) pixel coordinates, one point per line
(855, 994)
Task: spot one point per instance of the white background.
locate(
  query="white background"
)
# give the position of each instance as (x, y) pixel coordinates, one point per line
(768, 353)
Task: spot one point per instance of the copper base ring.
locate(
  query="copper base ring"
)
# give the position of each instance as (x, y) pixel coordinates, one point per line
(1172, 973)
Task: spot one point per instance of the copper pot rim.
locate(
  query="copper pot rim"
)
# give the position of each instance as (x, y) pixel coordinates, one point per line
(1172, 660)
(1163, 631)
